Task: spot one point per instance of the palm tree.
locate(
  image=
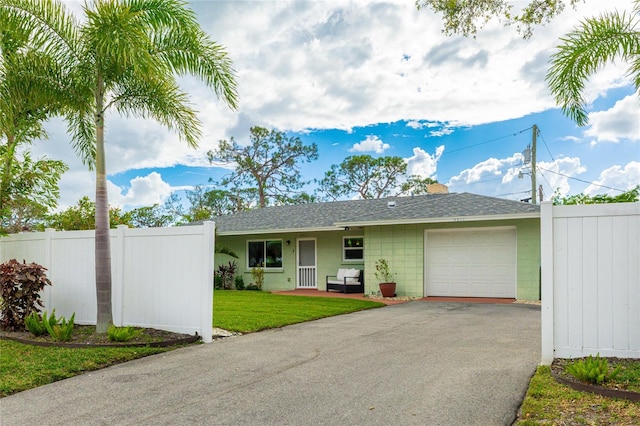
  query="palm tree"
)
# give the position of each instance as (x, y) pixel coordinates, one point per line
(31, 90)
(124, 55)
(585, 49)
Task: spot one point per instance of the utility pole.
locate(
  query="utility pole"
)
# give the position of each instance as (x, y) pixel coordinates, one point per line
(534, 188)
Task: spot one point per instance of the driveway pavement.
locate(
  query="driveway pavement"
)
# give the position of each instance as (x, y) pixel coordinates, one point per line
(415, 363)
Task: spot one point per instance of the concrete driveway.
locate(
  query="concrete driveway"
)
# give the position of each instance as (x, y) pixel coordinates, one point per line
(415, 363)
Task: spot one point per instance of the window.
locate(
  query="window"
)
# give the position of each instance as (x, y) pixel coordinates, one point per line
(267, 254)
(352, 249)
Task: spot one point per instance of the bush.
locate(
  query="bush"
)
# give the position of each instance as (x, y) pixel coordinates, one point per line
(592, 370)
(217, 281)
(258, 277)
(60, 332)
(20, 287)
(122, 334)
(239, 283)
(35, 323)
(226, 273)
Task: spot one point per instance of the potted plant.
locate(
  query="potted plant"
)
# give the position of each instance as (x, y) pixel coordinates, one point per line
(385, 277)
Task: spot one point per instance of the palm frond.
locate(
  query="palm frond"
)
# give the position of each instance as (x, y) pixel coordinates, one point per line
(583, 51)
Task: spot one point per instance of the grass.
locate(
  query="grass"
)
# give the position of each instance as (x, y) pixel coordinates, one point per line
(549, 403)
(25, 367)
(248, 311)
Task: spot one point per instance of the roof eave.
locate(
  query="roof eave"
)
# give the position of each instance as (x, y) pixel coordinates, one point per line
(453, 219)
(276, 231)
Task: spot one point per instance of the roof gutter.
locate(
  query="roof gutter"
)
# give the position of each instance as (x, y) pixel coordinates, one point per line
(454, 219)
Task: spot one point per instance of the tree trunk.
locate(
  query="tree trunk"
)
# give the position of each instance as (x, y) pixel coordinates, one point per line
(103, 243)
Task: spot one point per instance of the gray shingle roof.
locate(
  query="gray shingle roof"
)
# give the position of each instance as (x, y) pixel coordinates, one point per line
(326, 216)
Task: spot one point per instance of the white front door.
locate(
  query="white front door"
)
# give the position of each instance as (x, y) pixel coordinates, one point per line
(307, 263)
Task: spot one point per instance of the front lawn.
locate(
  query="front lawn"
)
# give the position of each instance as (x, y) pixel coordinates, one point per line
(247, 311)
(24, 367)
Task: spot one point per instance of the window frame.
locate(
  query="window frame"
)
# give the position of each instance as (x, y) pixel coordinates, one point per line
(264, 253)
(345, 248)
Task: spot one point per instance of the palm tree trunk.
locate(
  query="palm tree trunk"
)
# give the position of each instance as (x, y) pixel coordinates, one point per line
(103, 243)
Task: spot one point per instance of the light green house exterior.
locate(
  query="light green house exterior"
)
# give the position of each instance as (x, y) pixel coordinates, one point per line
(396, 233)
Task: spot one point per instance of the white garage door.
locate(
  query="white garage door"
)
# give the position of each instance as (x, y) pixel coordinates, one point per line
(471, 263)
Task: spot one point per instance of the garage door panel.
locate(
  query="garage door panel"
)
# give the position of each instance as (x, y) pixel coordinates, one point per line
(471, 263)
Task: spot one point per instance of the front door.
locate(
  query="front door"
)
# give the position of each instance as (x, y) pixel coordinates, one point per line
(307, 263)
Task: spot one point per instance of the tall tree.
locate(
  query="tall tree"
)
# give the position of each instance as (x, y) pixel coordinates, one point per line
(82, 216)
(32, 88)
(587, 48)
(269, 164)
(416, 185)
(364, 176)
(124, 55)
(204, 204)
(31, 192)
(466, 17)
(154, 216)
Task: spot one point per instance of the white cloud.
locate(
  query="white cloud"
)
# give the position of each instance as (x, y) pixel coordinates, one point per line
(422, 163)
(622, 178)
(372, 143)
(144, 191)
(555, 175)
(510, 178)
(622, 121)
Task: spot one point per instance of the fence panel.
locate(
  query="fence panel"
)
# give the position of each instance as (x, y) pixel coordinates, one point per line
(590, 280)
(161, 277)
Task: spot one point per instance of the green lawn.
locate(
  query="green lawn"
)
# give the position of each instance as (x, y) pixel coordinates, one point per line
(247, 311)
(549, 403)
(24, 367)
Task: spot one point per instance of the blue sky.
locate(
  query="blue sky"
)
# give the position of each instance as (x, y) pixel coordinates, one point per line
(379, 78)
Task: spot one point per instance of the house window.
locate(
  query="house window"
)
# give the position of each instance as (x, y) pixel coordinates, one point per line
(352, 249)
(267, 254)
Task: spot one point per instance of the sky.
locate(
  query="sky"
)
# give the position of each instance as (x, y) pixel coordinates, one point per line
(380, 78)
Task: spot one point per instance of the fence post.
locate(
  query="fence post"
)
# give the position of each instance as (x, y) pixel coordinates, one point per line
(48, 249)
(546, 265)
(206, 301)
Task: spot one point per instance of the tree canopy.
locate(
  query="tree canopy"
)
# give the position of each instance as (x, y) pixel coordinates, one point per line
(363, 175)
(630, 196)
(268, 166)
(466, 17)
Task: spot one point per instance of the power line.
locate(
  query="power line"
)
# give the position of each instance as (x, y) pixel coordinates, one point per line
(581, 180)
(546, 146)
(486, 142)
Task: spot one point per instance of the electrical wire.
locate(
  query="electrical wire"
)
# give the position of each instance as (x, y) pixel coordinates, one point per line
(581, 180)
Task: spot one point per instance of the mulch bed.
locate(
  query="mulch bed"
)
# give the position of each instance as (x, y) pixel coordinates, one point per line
(609, 389)
(84, 336)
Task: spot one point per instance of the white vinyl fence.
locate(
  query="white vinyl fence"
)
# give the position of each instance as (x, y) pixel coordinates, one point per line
(590, 280)
(161, 277)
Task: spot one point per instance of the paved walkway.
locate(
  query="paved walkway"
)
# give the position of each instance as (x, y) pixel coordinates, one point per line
(410, 364)
(392, 300)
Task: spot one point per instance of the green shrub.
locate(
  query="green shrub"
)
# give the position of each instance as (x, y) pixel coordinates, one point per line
(217, 281)
(258, 277)
(226, 273)
(35, 323)
(60, 332)
(592, 370)
(239, 282)
(253, 287)
(122, 334)
(20, 287)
